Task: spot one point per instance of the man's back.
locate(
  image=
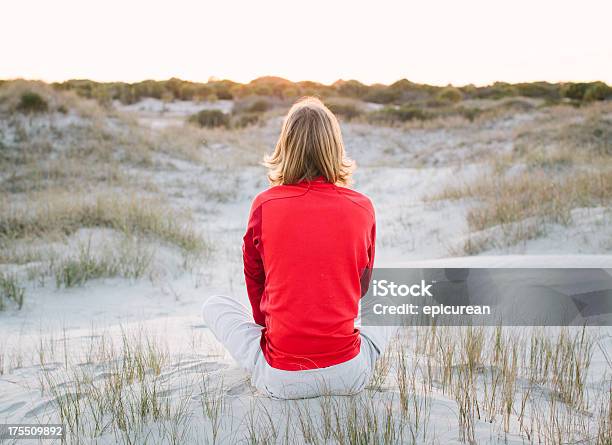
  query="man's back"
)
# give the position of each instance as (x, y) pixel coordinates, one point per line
(305, 250)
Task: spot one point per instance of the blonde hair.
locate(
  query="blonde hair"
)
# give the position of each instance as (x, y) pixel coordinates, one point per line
(310, 145)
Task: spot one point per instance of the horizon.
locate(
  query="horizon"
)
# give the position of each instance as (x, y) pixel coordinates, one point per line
(216, 79)
(437, 43)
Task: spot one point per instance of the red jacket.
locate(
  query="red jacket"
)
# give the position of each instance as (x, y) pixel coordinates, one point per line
(307, 253)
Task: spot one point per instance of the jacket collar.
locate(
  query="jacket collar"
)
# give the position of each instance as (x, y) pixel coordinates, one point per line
(319, 180)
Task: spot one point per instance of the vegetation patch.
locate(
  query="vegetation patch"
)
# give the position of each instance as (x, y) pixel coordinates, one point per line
(450, 94)
(259, 106)
(558, 163)
(32, 103)
(526, 383)
(586, 142)
(508, 210)
(401, 92)
(210, 119)
(404, 113)
(129, 260)
(344, 109)
(516, 198)
(10, 291)
(65, 214)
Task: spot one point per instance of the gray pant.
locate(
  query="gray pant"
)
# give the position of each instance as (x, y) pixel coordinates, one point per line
(232, 324)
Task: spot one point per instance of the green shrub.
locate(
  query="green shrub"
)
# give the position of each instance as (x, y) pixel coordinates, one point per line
(127, 96)
(351, 88)
(450, 94)
(403, 113)
(381, 94)
(210, 118)
(32, 103)
(498, 90)
(291, 92)
(543, 90)
(469, 113)
(586, 91)
(519, 105)
(598, 91)
(246, 119)
(223, 94)
(346, 110)
(259, 106)
(434, 102)
(574, 91)
(270, 86)
(470, 91)
(262, 90)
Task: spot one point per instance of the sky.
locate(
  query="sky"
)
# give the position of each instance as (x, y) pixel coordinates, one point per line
(428, 41)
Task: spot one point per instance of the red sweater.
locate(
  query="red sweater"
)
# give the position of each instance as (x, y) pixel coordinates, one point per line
(307, 253)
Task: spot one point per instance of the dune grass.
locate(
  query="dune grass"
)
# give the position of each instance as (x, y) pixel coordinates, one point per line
(141, 224)
(124, 400)
(527, 383)
(130, 260)
(505, 200)
(552, 170)
(64, 214)
(10, 291)
(520, 207)
(583, 138)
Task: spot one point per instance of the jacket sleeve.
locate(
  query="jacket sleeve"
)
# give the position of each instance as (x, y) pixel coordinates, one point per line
(372, 247)
(366, 276)
(254, 273)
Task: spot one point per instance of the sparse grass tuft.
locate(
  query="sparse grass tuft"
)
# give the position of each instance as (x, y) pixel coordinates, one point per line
(563, 361)
(131, 261)
(10, 291)
(604, 425)
(564, 142)
(122, 401)
(519, 197)
(518, 207)
(536, 195)
(559, 162)
(504, 381)
(213, 404)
